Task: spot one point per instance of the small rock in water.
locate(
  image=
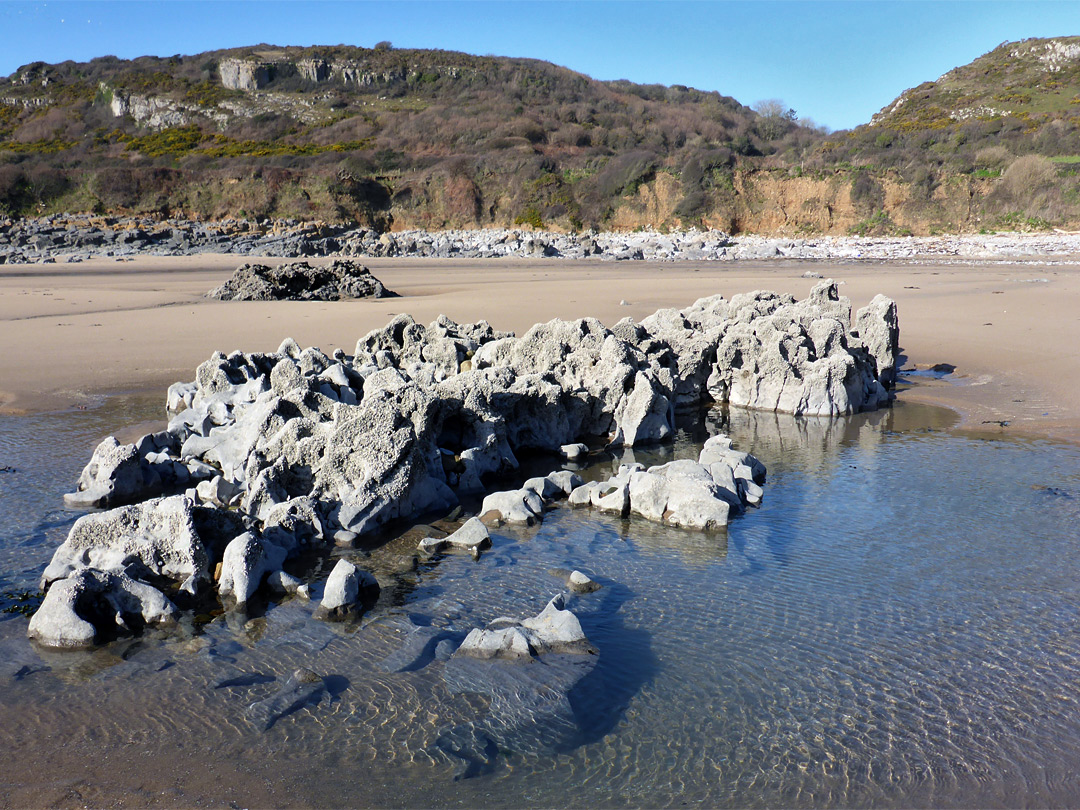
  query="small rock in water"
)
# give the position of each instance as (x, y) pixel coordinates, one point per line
(581, 583)
(473, 536)
(345, 588)
(574, 451)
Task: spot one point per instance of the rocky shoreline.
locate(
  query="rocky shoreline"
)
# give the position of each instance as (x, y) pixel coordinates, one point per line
(267, 455)
(78, 238)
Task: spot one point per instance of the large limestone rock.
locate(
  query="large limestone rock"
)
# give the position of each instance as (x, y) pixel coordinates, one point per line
(117, 474)
(307, 447)
(77, 609)
(157, 536)
(878, 326)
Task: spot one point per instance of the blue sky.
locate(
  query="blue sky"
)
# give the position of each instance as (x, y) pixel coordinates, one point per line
(834, 62)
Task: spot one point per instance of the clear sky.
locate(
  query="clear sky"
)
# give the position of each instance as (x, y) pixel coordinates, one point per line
(834, 62)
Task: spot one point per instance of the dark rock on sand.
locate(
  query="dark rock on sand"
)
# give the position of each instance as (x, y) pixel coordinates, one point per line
(300, 281)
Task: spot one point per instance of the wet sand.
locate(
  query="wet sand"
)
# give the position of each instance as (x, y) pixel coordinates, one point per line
(71, 333)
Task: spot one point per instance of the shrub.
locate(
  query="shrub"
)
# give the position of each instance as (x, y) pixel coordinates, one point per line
(692, 206)
(993, 158)
(531, 217)
(624, 174)
(1028, 174)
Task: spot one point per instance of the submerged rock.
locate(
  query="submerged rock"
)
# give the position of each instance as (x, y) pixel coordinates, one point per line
(303, 688)
(300, 281)
(578, 582)
(527, 670)
(555, 629)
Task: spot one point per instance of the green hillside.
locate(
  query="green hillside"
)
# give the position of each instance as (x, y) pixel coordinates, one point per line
(397, 138)
(435, 137)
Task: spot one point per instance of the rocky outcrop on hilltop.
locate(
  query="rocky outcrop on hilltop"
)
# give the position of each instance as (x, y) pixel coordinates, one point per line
(295, 448)
(300, 281)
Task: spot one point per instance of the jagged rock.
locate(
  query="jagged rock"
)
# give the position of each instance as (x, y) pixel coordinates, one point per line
(346, 587)
(158, 536)
(574, 451)
(78, 608)
(116, 475)
(300, 281)
(878, 326)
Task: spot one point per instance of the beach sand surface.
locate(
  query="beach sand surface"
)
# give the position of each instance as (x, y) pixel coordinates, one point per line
(74, 332)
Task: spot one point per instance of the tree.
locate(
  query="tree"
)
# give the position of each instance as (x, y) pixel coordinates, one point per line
(774, 118)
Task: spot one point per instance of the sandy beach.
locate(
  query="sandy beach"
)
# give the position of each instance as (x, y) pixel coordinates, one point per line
(73, 332)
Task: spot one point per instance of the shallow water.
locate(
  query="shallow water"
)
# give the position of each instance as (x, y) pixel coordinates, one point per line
(895, 626)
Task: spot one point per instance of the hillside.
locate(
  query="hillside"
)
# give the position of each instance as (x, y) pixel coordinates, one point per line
(1006, 125)
(384, 136)
(395, 139)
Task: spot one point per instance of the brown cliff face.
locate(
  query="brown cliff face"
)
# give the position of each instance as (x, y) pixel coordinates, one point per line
(772, 202)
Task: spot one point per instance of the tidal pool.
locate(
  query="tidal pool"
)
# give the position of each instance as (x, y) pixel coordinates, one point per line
(894, 626)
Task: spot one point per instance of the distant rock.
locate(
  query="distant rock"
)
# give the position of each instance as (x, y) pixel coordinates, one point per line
(300, 281)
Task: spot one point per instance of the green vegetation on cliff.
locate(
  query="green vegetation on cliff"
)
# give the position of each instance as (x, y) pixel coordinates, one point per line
(434, 139)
